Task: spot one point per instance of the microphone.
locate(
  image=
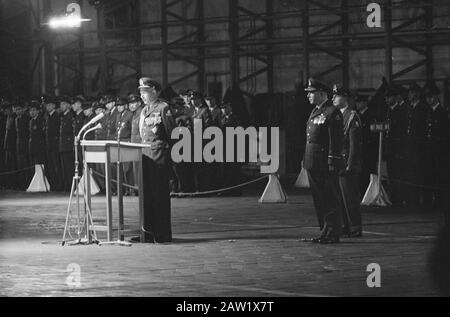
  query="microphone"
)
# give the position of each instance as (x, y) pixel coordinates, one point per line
(94, 120)
(98, 126)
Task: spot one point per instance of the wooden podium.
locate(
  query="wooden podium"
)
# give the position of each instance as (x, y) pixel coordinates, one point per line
(107, 152)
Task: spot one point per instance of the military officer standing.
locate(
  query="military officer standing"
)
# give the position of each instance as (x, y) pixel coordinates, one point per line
(52, 126)
(22, 132)
(110, 118)
(123, 126)
(156, 124)
(135, 106)
(78, 123)
(88, 111)
(100, 134)
(203, 115)
(369, 143)
(395, 154)
(37, 135)
(436, 148)
(323, 161)
(66, 142)
(9, 143)
(351, 155)
(416, 115)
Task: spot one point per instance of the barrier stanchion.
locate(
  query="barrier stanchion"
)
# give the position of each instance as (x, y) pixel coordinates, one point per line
(39, 183)
(273, 193)
(302, 179)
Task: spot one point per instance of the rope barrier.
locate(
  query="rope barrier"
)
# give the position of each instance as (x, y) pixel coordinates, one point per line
(217, 191)
(17, 171)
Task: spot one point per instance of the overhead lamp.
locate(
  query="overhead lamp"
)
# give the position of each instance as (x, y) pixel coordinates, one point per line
(71, 19)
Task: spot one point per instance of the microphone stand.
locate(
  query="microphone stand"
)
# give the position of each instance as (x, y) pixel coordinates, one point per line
(74, 188)
(120, 237)
(87, 193)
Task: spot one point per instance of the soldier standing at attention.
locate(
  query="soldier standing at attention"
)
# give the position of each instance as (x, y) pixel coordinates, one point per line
(396, 116)
(436, 149)
(110, 125)
(201, 114)
(66, 143)
(9, 144)
(156, 124)
(323, 161)
(416, 115)
(369, 143)
(22, 132)
(124, 118)
(88, 111)
(351, 155)
(52, 125)
(78, 123)
(110, 118)
(100, 134)
(37, 135)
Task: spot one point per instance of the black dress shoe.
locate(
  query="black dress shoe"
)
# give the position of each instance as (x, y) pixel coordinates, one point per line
(313, 240)
(329, 240)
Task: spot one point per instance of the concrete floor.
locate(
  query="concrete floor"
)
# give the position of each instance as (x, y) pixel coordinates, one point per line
(222, 247)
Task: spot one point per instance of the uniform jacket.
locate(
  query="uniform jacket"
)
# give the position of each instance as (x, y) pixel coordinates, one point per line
(37, 135)
(135, 133)
(156, 125)
(78, 123)
(52, 126)
(22, 133)
(369, 140)
(216, 115)
(66, 135)
(397, 131)
(324, 137)
(352, 145)
(437, 137)
(126, 118)
(111, 124)
(416, 121)
(203, 114)
(100, 134)
(9, 143)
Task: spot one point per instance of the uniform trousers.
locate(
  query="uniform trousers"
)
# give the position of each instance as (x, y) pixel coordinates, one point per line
(351, 202)
(157, 214)
(327, 201)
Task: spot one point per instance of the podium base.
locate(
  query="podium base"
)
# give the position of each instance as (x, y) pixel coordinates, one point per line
(273, 193)
(375, 195)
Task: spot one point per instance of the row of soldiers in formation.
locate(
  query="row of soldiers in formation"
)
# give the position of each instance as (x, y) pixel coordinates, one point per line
(341, 152)
(43, 132)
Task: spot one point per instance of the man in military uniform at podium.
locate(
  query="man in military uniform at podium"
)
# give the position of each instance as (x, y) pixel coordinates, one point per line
(155, 125)
(323, 161)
